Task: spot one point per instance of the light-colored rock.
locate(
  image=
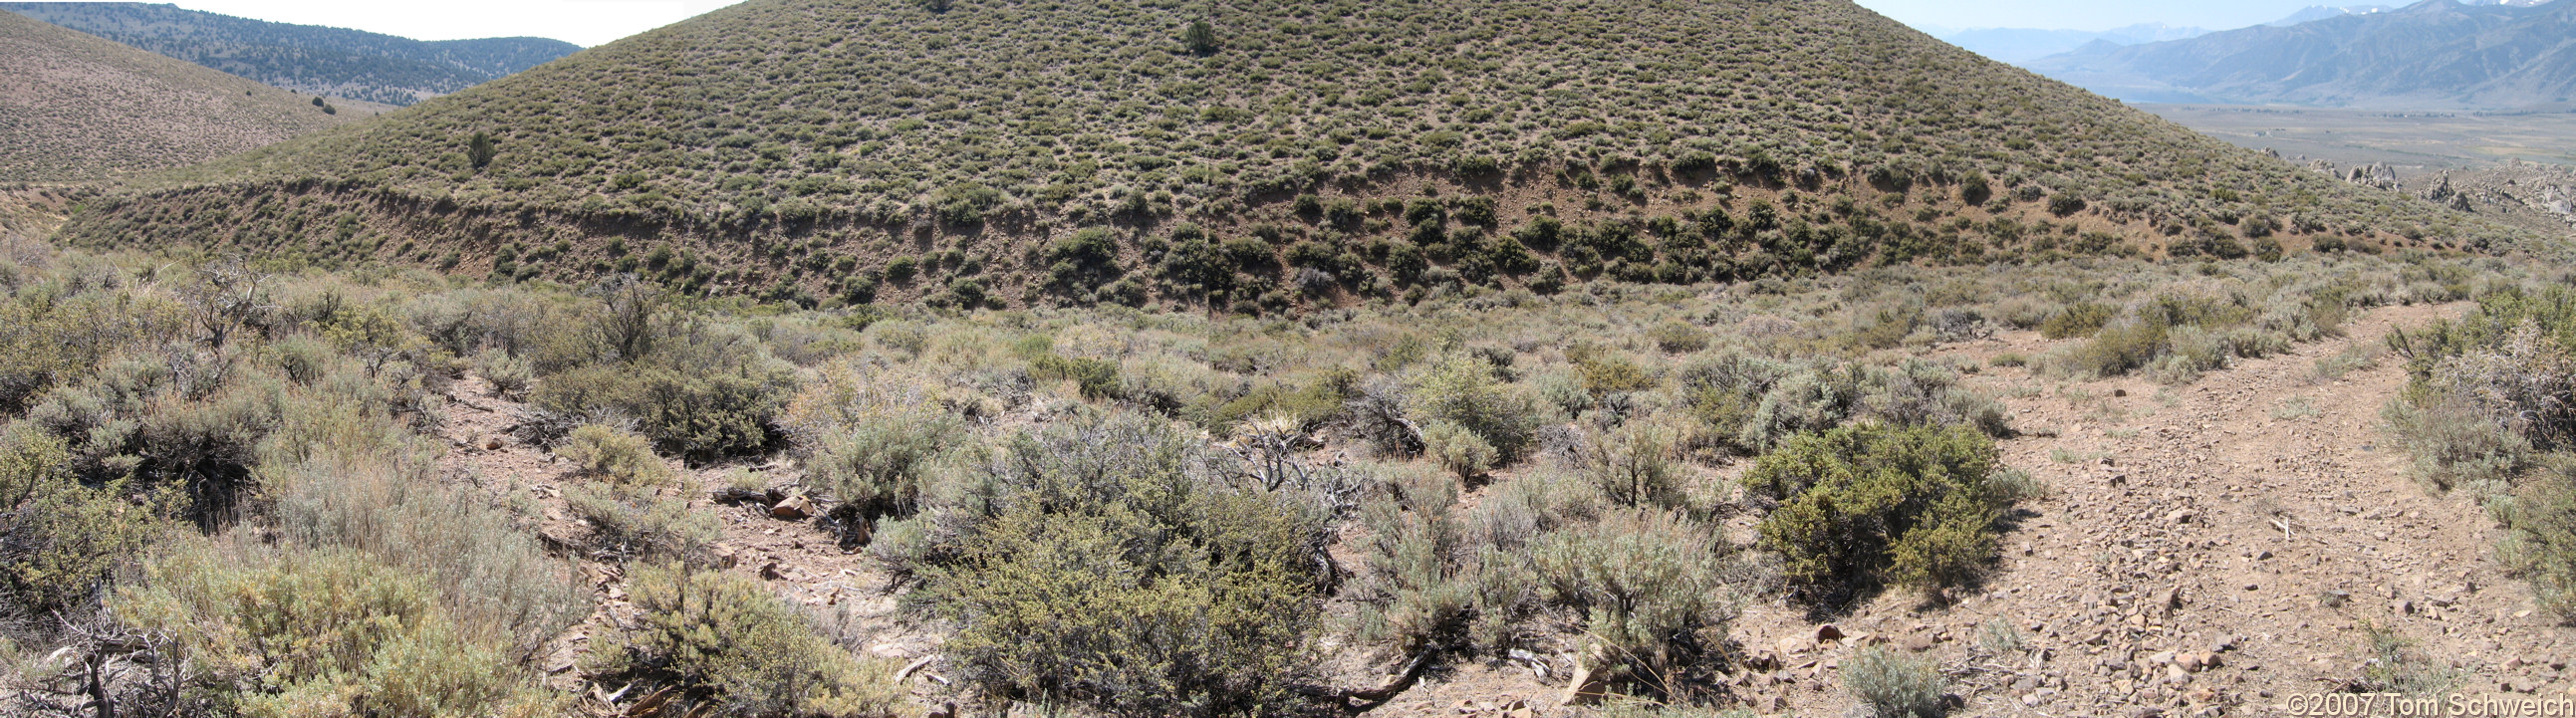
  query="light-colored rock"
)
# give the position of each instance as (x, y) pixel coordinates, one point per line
(795, 508)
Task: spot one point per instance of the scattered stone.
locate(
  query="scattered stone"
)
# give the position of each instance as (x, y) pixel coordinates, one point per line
(795, 508)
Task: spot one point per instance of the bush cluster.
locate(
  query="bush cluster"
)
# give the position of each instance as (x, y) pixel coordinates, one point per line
(1095, 563)
(1868, 504)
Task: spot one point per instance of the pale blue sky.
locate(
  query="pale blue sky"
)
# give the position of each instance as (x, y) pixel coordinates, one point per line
(2097, 14)
(595, 22)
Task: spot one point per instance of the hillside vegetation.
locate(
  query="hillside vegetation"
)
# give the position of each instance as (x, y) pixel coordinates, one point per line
(236, 489)
(74, 107)
(320, 60)
(1256, 154)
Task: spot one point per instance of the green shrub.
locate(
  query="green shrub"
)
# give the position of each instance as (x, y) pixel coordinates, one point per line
(1095, 378)
(2077, 320)
(325, 633)
(618, 456)
(875, 466)
(1895, 685)
(1094, 565)
(1457, 449)
(730, 647)
(1679, 338)
(1463, 389)
(2117, 349)
(1867, 504)
(31, 459)
(510, 376)
(1605, 374)
(1632, 465)
(708, 413)
(1648, 585)
(642, 525)
(62, 548)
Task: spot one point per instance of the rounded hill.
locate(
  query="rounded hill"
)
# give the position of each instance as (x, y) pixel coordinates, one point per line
(1258, 153)
(76, 108)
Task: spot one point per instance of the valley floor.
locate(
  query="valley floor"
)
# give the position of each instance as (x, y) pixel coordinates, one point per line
(2217, 547)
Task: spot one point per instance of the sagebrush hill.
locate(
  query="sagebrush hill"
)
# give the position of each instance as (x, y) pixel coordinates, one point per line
(76, 108)
(320, 60)
(2436, 54)
(1257, 154)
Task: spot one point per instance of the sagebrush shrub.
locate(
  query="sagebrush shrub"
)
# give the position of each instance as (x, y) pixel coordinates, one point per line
(1870, 503)
(642, 525)
(1895, 685)
(617, 456)
(1458, 449)
(731, 647)
(510, 376)
(875, 466)
(330, 632)
(1633, 465)
(2540, 536)
(1649, 586)
(1463, 389)
(1095, 564)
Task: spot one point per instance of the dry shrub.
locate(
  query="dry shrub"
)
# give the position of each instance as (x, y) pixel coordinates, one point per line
(729, 646)
(1894, 685)
(1649, 584)
(328, 632)
(620, 457)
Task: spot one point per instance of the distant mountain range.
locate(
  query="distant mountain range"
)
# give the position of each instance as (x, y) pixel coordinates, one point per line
(2436, 54)
(2314, 13)
(320, 60)
(2018, 45)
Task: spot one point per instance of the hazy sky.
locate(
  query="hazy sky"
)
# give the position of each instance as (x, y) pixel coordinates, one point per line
(2097, 14)
(586, 23)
